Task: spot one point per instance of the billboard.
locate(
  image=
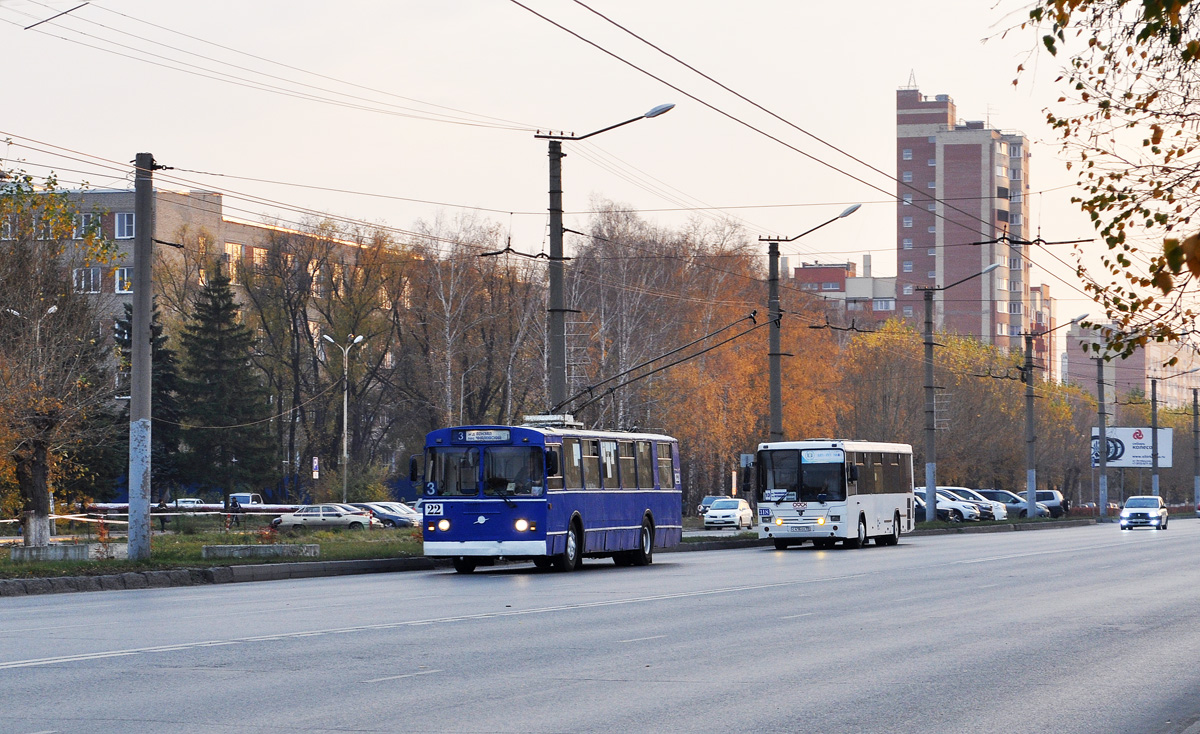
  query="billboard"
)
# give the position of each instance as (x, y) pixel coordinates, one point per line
(1131, 447)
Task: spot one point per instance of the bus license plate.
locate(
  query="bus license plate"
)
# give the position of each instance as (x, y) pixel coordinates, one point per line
(433, 508)
(800, 528)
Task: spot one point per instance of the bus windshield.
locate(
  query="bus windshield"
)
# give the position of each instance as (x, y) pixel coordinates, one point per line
(453, 472)
(512, 470)
(782, 477)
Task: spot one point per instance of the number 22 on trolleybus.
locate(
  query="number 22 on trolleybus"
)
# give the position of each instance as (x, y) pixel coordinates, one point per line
(825, 491)
(549, 494)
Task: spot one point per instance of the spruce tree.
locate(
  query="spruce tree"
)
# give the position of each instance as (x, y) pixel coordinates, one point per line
(225, 404)
(165, 434)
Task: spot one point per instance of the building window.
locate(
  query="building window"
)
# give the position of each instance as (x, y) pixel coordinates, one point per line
(931, 229)
(932, 274)
(908, 311)
(258, 259)
(1002, 306)
(908, 289)
(1014, 174)
(931, 251)
(906, 177)
(883, 304)
(1014, 307)
(906, 154)
(907, 199)
(123, 280)
(931, 185)
(1002, 171)
(907, 266)
(1001, 284)
(1014, 151)
(931, 139)
(1002, 215)
(1016, 220)
(931, 207)
(830, 287)
(1001, 329)
(906, 243)
(854, 305)
(931, 162)
(1014, 263)
(907, 222)
(124, 225)
(808, 286)
(83, 222)
(87, 280)
(233, 259)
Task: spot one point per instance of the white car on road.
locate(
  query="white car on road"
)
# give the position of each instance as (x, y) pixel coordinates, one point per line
(1144, 511)
(729, 513)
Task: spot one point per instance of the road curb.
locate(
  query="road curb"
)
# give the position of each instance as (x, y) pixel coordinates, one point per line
(314, 569)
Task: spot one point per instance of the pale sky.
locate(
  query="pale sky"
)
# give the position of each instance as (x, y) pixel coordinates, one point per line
(830, 69)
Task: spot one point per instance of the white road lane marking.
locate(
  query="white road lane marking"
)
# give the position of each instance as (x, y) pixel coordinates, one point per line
(643, 639)
(414, 623)
(398, 677)
(797, 616)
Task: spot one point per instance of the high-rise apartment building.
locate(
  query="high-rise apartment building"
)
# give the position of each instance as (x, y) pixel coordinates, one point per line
(961, 184)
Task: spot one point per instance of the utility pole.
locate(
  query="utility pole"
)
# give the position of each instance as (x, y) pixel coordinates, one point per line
(1196, 448)
(1030, 437)
(1102, 447)
(930, 424)
(1154, 437)
(140, 364)
(775, 314)
(557, 348)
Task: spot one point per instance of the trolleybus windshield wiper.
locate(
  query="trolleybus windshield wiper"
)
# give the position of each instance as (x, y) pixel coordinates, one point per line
(501, 491)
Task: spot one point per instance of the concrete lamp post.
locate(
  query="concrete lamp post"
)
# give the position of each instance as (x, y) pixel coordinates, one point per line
(345, 401)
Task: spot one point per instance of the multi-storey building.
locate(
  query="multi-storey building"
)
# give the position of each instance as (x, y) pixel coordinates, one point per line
(863, 298)
(961, 188)
(1134, 373)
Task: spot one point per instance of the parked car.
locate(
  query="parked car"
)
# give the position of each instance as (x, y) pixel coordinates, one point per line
(320, 517)
(727, 512)
(704, 503)
(1144, 511)
(1054, 499)
(186, 502)
(943, 512)
(1015, 503)
(246, 499)
(389, 516)
(992, 509)
(958, 509)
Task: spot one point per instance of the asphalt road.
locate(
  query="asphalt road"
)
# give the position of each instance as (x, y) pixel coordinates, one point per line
(1078, 630)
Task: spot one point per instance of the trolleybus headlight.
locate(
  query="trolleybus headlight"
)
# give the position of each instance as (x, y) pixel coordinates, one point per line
(779, 521)
(443, 524)
(521, 525)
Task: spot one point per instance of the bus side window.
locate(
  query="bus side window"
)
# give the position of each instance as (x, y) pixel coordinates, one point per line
(572, 464)
(645, 466)
(628, 465)
(666, 469)
(554, 468)
(591, 463)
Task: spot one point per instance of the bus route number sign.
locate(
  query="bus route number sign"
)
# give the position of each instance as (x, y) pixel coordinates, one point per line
(432, 508)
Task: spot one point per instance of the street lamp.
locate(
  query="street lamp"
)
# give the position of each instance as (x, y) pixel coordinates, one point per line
(1154, 432)
(776, 316)
(37, 326)
(345, 401)
(1030, 437)
(930, 424)
(556, 322)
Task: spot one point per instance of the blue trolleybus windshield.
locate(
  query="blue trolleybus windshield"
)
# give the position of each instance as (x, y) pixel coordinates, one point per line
(508, 471)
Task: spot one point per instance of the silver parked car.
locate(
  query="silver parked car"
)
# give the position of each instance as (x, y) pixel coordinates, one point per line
(1017, 507)
(729, 513)
(321, 517)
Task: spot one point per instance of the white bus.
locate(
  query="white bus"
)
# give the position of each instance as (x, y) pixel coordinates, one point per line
(827, 490)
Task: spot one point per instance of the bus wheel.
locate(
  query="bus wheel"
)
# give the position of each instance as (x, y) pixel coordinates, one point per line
(543, 563)
(644, 555)
(894, 538)
(861, 539)
(781, 545)
(822, 543)
(568, 560)
(464, 565)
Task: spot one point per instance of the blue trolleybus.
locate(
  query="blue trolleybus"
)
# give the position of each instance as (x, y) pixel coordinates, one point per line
(551, 494)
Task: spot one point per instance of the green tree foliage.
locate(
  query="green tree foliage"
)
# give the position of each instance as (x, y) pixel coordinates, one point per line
(165, 435)
(225, 407)
(1129, 117)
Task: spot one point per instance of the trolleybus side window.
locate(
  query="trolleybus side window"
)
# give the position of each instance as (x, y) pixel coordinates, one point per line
(645, 466)
(608, 464)
(454, 471)
(666, 469)
(555, 480)
(591, 463)
(628, 465)
(572, 463)
(512, 470)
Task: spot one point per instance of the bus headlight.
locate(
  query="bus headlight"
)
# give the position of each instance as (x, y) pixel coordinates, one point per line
(820, 521)
(443, 525)
(521, 525)
(779, 521)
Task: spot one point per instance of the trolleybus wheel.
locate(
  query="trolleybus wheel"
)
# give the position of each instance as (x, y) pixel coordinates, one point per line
(781, 545)
(543, 563)
(464, 565)
(644, 555)
(569, 559)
